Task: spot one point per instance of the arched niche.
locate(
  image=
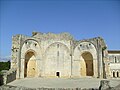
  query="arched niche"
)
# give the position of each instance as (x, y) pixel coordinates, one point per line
(57, 60)
(87, 64)
(30, 69)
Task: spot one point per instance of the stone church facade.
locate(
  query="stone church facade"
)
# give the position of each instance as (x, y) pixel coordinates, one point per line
(60, 55)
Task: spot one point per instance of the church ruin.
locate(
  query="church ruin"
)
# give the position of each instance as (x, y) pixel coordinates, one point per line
(60, 55)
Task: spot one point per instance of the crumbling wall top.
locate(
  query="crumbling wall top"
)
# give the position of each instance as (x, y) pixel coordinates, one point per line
(97, 41)
(44, 36)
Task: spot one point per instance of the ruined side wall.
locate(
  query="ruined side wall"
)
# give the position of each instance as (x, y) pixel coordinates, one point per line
(114, 65)
(15, 54)
(98, 49)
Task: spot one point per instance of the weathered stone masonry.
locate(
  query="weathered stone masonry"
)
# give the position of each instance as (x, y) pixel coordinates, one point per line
(59, 55)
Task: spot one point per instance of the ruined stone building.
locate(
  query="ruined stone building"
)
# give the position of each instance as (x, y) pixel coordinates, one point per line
(60, 55)
(114, 57)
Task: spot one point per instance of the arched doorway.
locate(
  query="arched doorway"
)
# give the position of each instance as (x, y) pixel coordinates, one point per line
(30, 65)
(88, 64)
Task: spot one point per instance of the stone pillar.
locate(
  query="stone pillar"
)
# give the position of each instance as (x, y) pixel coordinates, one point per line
(22, 68)
(116, 74)
(95, 68)
(18, 66)
(101, 64)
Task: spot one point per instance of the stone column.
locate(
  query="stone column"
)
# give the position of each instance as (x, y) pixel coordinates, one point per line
(95, 68)
(101, 64)
(22, 68)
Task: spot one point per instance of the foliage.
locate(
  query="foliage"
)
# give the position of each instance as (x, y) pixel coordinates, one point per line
(4, 65)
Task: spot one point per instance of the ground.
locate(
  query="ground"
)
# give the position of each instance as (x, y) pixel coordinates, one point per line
(62, 82)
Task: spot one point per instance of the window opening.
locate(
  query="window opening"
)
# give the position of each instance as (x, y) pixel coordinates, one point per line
(58, 74)
(117, 74)
(113, 74)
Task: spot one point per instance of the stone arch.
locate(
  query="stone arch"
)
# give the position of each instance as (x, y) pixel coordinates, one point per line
(89, 45)
(30, 64)
(78, 59)
(30, 50)
(31, 45)
(57, 57)
(87, 65)
(56, 43)
(28, 40)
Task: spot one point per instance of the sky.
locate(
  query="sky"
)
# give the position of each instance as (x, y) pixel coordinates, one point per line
(83, 19)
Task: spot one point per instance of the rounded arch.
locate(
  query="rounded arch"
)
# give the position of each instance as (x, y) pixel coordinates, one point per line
(31, 50)
(85, 46)
(30, 45)
(56, 57)
(56, 43)
(80, 44)
(28, 40)
(30, 64)
(78, 53)
(87, 65)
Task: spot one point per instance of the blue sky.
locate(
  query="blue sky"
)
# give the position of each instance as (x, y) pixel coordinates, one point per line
(81, 18)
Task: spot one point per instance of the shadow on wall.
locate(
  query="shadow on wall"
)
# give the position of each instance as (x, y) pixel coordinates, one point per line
(7, 76)
(11, 77)
(1, 80)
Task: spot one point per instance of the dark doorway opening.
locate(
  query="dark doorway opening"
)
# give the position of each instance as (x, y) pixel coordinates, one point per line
(88, 66)
(58, 74)
(117, 74)
(113, 74)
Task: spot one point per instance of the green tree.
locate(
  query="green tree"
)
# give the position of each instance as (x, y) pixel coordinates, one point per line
(4, 65)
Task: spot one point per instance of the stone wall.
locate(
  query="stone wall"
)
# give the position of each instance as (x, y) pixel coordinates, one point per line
(7, 76)
(57, 55)
(114, 57)
(1, 79)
